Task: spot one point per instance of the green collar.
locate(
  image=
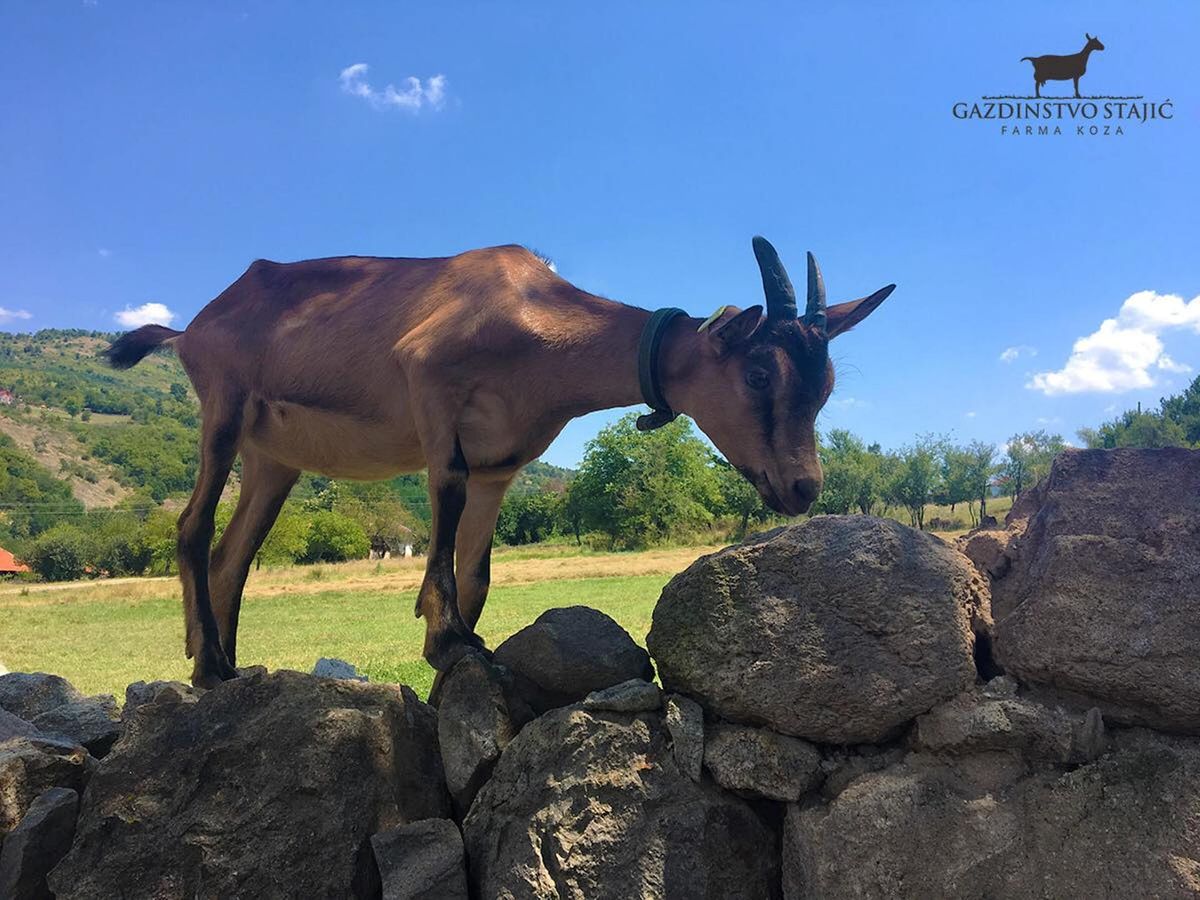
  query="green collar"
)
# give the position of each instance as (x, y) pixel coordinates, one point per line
(648, 347)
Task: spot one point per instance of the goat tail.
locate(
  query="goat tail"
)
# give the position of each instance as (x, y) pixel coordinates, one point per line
(130, 349)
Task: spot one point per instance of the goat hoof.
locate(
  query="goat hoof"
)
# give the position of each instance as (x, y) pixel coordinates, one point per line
(448, 648)
(212, 669)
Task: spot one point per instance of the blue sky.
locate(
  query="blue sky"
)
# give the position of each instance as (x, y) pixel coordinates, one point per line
(151, 150)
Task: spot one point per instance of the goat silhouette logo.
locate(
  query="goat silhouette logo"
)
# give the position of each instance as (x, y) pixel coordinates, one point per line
(1039, 114)
(1062, 68)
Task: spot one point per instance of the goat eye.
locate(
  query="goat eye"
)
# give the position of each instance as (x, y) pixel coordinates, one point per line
(757, 379)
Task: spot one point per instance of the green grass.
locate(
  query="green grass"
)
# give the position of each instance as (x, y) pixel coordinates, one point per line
(101, 644)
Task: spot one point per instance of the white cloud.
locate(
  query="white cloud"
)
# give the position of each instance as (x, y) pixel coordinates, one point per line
(1124, 352)
(970, 414)
(848, 403)
(412, 97)
(1012, 354)
(146, 314)
(9, 315)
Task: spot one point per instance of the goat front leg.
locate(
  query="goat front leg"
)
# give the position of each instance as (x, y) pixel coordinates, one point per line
(1077, 97)
(447, 636)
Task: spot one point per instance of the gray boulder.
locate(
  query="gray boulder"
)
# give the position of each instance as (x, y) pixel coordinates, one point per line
(475, 724)
(265, 780)
(327, 667)
(593, 805)
(840, 630)
(140, 693)
(1100, 602)
(568, 653)
(685, 727)
(922, 828)
(629, 696)
(36, 845)
(973, 722)
(29, 694)
(91, 721)
(14, 726)
(757, 762)
(421, 861)
(30, 766)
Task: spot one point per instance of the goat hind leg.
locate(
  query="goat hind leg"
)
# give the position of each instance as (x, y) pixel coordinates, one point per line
(447, 636)
(218, 448)
(265, 486)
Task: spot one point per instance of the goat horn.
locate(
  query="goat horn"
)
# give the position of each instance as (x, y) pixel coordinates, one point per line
(781, 298)
(814, 309)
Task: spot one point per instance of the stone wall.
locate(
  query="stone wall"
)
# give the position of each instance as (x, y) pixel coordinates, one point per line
(848, 708)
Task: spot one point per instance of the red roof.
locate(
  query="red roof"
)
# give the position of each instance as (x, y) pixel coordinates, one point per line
(9, 565)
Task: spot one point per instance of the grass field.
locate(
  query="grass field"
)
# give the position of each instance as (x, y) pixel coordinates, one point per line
(103, 635)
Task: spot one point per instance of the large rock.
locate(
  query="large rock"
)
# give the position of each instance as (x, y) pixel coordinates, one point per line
(974, 722)
(568, 653)
(1125, 825)
(14, 726)
(266, 785)
(36, 845)
(29, 694)
(1102, 601)
(421, 861)
(840, 630)
(29, 766)
(757, 762)
(685, 727)
(593, 805)
(474, 725)
(91, 721)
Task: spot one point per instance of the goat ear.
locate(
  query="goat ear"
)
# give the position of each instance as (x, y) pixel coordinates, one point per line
(845, 316)
(728, 334)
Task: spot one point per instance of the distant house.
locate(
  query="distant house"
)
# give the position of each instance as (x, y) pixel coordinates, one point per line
(7, 397)
(9, 565)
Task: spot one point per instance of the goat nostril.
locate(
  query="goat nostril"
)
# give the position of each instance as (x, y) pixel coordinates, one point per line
(807, 489)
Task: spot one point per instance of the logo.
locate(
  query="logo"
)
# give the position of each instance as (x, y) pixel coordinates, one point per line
(1079, 115)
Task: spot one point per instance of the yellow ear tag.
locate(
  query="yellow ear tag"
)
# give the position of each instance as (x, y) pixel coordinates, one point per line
(720, 312)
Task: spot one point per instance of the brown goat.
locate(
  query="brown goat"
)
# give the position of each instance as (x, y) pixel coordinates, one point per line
(468, 366)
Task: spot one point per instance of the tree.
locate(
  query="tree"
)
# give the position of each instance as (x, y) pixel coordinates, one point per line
(334, 537)
(642, 487)
(852, 474)
(1136, 429)
(1027, 459)
(59, 554)
(287, 540)
(915, 477)
(739, 498)
(527, 518)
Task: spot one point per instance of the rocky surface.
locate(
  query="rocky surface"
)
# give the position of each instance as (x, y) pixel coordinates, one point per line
(327, 667)
(840, 630)
(1124, 825)
(977, 723)
(685, 727)
(1101, 602)
(757, 762)
(475, 724)
(568, 653)
(592, 805)
(29, 694)
(90, 721)
(421, 861)
(36, 845)
(14, 726)
(30, 766)
(264, 782)
(630, 696)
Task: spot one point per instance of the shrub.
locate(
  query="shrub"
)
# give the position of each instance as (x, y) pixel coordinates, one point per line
(333, 537)
(60, 554)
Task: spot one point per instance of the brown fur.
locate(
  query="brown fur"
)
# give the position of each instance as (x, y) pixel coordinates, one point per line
(468, 366)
